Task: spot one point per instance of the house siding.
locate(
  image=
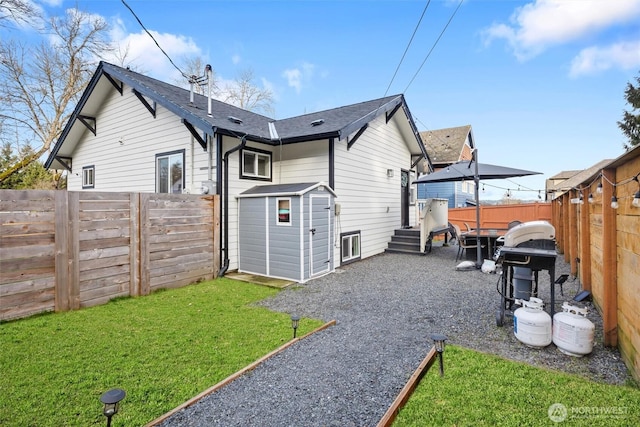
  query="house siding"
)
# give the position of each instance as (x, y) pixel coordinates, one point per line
(124, 118)
(375, 213)
(453, 191)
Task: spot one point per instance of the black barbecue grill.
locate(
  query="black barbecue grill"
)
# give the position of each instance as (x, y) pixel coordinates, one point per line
(532, 247)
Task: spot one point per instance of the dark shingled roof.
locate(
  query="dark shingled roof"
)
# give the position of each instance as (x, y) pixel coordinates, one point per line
(334, 123)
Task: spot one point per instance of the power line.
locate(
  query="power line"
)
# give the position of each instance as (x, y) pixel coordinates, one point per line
(434, 45)
(407, 48)
(154, 40)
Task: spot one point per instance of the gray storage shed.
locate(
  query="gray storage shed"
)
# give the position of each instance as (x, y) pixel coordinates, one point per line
(286, 230)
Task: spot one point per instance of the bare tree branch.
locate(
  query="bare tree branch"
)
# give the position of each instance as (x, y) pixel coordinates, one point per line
(245, 94)
(40, 85)
(16, 12)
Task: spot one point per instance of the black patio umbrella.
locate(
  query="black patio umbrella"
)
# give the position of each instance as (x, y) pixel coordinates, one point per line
(472, 170)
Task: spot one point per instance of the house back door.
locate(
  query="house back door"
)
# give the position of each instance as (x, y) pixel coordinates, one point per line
(320, 235)
(404, 198)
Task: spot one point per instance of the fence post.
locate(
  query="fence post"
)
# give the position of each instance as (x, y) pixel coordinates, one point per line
(61, 283)
(145, 280)
(74, 249)
(585, 241)
(134, 244)
(609, 263)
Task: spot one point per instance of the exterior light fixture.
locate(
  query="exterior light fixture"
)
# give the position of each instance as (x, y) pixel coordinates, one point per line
(438, 342)
(614, 202)
(581, 199)
(599, 188)
(295, 320)
(636, 199)
(390, 173)
(590, 198)
(111, 399)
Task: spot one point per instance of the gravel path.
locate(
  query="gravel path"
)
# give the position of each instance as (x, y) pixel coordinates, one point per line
(385, 309)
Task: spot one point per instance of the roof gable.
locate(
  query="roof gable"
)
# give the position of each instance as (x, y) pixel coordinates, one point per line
(580, 177)
(446, 145)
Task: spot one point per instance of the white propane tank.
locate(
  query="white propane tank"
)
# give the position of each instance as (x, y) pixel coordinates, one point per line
(572, 332)
(531, 324)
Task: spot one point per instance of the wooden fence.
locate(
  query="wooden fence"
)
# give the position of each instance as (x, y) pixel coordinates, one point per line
(64, 250)
(499, 216)
(602, 245)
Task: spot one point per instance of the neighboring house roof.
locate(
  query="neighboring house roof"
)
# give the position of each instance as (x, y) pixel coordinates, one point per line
(564, 175)
(446, 146)
(225, 118)
(578, 178)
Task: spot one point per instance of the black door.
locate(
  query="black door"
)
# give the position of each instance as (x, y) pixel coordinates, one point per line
(404, 198)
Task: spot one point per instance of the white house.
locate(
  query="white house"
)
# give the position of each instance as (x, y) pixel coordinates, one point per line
(130, 132)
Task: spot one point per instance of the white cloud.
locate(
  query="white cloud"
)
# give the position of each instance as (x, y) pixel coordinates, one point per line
(294, 78)
(142, 52)
(544, 23)
(625, 55)
(297, 77)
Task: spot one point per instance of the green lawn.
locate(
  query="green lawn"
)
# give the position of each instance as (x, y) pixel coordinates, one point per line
(485, 390)
(165, 348)
(161, 349)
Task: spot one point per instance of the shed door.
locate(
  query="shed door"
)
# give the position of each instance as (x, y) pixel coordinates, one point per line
(320, 235)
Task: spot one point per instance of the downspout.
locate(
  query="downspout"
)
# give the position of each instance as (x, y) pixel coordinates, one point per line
(225, 206)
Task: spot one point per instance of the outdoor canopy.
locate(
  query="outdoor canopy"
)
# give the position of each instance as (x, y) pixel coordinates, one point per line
(472, 170)
(465, 170)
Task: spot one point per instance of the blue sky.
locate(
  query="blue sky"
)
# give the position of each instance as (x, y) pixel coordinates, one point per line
(541, 81)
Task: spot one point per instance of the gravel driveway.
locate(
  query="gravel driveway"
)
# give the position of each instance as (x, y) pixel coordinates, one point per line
(385, 309)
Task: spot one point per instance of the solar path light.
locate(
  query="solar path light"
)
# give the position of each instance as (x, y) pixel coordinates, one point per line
(111, 399)
(438, 341)
(295, 320)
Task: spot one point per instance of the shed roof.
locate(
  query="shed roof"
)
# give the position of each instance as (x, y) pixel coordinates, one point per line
(295, 189)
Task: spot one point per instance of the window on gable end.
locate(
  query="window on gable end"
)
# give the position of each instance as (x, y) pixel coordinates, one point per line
(88, 176)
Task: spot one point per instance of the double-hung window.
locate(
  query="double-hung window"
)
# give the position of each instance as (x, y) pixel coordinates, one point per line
(170, 172)
(255, 164)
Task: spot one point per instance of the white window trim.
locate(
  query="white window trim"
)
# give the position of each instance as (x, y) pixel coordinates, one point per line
(349, 237)
(284, 223)
(257, 155)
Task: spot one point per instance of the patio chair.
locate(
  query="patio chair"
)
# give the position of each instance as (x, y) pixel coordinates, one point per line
(465, 242)
(467, 225)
